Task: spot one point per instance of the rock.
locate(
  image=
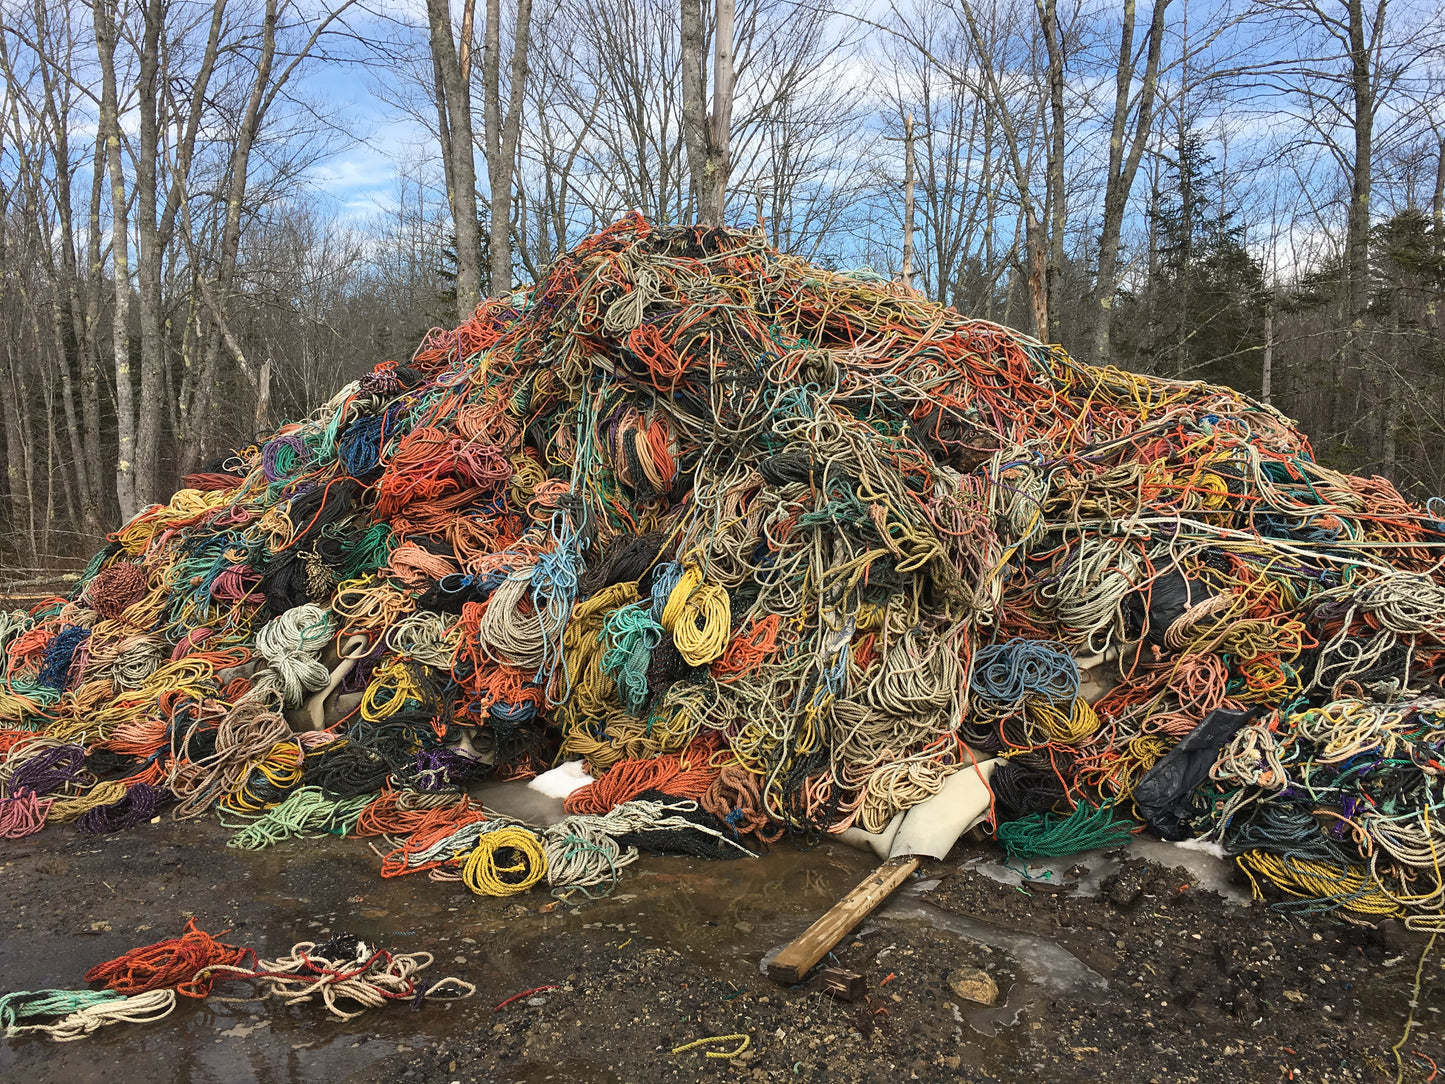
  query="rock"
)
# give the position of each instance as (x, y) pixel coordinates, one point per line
(1127, 887)
(971, 984)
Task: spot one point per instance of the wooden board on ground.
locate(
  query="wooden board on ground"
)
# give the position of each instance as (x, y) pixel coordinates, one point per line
(798, 958)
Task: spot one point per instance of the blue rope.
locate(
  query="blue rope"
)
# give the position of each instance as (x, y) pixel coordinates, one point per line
(665, 577)
(1006, 673)
(55, 670)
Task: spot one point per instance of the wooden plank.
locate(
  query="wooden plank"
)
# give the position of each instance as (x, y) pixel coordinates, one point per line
(798, 958)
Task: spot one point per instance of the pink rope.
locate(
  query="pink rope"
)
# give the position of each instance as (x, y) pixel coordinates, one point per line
(22, 815)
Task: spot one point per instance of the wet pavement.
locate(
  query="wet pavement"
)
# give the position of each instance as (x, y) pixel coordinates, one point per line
(83, 901)
(1127, 966)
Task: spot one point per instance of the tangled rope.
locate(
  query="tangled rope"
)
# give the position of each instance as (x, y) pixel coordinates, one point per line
(74, 1014)
(343, 970)
(177, 963)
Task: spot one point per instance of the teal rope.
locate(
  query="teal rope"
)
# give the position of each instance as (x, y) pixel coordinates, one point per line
(305, 812)
(632, 634)
(1043, 835)
(27, 1005)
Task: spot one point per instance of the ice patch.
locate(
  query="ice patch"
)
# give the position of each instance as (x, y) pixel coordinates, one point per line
(562, 780)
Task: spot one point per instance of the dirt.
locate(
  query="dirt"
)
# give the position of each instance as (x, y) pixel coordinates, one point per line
(1120, 968)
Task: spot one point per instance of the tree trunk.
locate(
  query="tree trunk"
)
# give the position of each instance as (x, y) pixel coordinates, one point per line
(708, 138)
(16, 464)
(67, 307)
(1037, 254)
(1266, 376)
(1036, 243)
(720, 159)
(1055, 196)
(108, 123)
(454, 112)
(907, 274)
(89, 345)
(217, 298)
(1124, 165)
(1437, 215)
(148, 263)
(501, 136)
(1357, 225)
(1357, 229)
(694, 102)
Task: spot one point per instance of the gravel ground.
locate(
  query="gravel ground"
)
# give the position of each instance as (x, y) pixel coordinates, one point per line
(1139, 972)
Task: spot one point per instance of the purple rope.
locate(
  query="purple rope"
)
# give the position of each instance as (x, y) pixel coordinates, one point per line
(49, 770)
(272, 449)
(140, 804)
(439, 769)
(359, 676)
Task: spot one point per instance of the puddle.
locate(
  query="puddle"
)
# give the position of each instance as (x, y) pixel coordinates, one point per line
(1205, 863)
(1047, 970)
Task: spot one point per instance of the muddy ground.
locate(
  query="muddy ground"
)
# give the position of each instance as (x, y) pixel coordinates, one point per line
(1138, 972)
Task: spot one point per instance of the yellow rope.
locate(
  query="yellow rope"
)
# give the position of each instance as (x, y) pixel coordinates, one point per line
(702, 629)
(1081, 722)
(69, 809)
(396, 679)
(484, 876)
(1350, 886)
(743, 1041)
(1414, 1004)
(281, 767)
(691, 580)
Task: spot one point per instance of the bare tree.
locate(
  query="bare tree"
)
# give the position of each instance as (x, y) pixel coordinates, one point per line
(451, 67)
(108, 125)
(1124, 160)
(905, 275)
(502, 133)
(1037, 216)
(959, 198)
(708, 134)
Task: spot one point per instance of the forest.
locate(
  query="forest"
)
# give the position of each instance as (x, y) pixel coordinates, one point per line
(1247, 192)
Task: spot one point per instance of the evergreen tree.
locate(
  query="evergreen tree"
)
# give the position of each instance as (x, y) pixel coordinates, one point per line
(448, 269)
(1200, 312)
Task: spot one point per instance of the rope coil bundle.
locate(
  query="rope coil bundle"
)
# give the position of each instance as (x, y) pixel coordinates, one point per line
(1373, 775)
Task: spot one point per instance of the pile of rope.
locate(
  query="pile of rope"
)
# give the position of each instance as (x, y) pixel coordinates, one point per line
(790, 544)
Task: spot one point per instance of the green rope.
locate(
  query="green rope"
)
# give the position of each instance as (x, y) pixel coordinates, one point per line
(367, 552)
(307, 811)
(1042, 835)
(26, 1005)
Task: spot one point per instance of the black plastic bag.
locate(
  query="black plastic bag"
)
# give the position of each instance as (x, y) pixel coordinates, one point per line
(1153, 609)
(1165, 794)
